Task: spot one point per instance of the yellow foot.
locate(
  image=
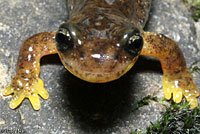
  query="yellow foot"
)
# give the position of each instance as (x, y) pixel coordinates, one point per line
(180, 85)
(26, 88)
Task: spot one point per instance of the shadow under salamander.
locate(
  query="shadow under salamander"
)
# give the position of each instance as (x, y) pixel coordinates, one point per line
(101, 106)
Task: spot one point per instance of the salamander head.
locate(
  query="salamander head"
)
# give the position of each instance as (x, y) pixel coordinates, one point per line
(98, 57)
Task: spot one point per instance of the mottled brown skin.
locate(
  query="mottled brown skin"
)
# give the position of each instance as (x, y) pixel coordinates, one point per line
(100, 31)
(100, 25)
(177, 79)
(26, 83)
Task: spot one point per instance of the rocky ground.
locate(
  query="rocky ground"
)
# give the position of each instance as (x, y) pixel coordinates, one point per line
(77, 107)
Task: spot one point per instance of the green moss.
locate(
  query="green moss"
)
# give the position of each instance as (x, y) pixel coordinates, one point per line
(195, 69)
(145, 101)
(137, 132)
(178, 119)
(194, 6)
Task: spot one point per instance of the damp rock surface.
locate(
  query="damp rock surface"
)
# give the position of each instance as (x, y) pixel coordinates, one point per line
(77, 107)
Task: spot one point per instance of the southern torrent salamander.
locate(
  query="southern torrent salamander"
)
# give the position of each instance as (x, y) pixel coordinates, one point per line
(100, 42)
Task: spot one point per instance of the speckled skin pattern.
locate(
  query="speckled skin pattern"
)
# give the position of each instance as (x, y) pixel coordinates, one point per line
(99, 31)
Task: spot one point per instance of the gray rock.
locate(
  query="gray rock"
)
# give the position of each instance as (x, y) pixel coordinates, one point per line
(77, 107)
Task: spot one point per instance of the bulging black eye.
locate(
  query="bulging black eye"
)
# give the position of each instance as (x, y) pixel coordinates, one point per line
(134, 44)
(64, 40)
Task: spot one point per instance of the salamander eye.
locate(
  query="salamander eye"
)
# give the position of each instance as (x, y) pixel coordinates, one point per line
(134, 44)
(64, 40)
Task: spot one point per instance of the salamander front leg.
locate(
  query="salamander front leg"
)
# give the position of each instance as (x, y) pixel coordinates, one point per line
(26, 83)
(177, 80)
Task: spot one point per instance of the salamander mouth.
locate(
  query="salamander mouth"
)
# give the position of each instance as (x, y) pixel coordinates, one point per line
(100, 75)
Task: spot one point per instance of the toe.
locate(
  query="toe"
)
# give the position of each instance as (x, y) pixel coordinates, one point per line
(16, 101)
(193, 103)
(196, 92)
(35, 101)
(167, 88)
(177, 96)
(191, 98)
(43, 93)
(167, 93)
(7, 91)
(40, 83)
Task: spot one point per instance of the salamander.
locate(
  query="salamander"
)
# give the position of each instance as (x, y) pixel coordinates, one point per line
(100, 42)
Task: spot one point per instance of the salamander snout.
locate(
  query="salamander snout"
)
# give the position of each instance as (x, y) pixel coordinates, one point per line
(98, 59)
